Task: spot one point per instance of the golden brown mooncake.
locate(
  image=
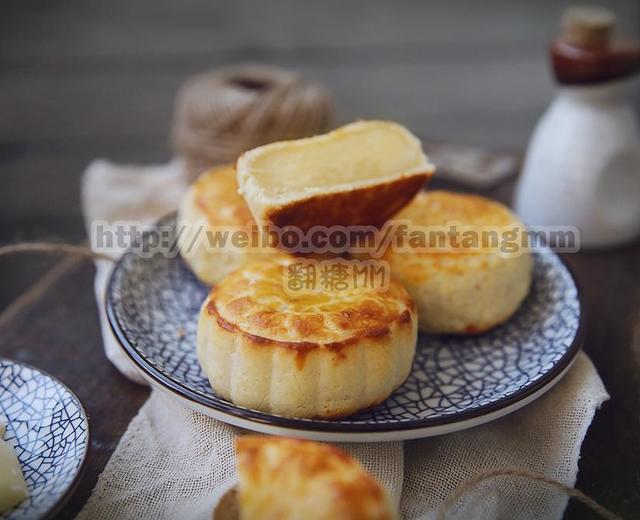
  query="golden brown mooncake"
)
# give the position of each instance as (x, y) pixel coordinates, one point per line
(325, 354)
(463, 290)
(359, 174)
(289, 479)
(212, 203)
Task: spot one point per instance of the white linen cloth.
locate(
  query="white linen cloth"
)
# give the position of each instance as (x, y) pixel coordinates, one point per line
(123, 193)
(171, 460)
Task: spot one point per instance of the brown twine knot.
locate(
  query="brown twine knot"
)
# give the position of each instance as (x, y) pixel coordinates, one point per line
(221, 114)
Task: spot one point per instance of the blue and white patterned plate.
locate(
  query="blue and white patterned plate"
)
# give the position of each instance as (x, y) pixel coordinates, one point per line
(48, 428)
(456, 382)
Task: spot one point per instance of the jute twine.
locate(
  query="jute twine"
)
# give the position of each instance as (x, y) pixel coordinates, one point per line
(54, 248)
(571, 492)
(448, 503)
(221, 114)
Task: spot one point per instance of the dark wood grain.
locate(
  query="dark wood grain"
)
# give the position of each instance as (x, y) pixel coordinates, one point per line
(59, 333)
(81, 80)
(610, 458)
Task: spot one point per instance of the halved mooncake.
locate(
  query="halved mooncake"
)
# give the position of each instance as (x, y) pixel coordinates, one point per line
(359, 174)
(323, 354)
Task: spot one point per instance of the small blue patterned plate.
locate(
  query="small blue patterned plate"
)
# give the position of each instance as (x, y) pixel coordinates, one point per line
(48, 429)
(456, 382)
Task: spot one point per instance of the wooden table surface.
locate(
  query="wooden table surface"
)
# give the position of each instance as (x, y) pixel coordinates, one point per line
(80, 80)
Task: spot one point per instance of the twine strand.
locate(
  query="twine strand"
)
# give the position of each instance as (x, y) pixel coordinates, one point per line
(54, 248)
(571, 492)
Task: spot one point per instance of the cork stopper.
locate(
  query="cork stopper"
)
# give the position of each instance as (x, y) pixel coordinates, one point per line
(587, 27)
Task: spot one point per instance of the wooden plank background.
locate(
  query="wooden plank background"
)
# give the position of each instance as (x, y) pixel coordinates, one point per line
(80, 80)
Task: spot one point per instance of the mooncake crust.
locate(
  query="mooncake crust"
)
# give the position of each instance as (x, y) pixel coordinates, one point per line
(326, 354)
(212, 204)
(321, 482)
(462, 290)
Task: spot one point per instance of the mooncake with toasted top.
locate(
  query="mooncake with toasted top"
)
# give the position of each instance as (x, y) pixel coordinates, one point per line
(473, 279)
(211, 210)
(290, 479)
(322, 354)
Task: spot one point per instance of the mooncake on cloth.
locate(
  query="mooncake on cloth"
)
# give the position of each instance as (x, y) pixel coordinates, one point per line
(289, 479)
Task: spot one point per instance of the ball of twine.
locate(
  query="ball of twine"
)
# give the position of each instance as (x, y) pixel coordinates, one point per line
(221, 114)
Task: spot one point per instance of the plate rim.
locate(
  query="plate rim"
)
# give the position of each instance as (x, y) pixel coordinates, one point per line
(359, 437)
(326, 426)
(73, 485)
